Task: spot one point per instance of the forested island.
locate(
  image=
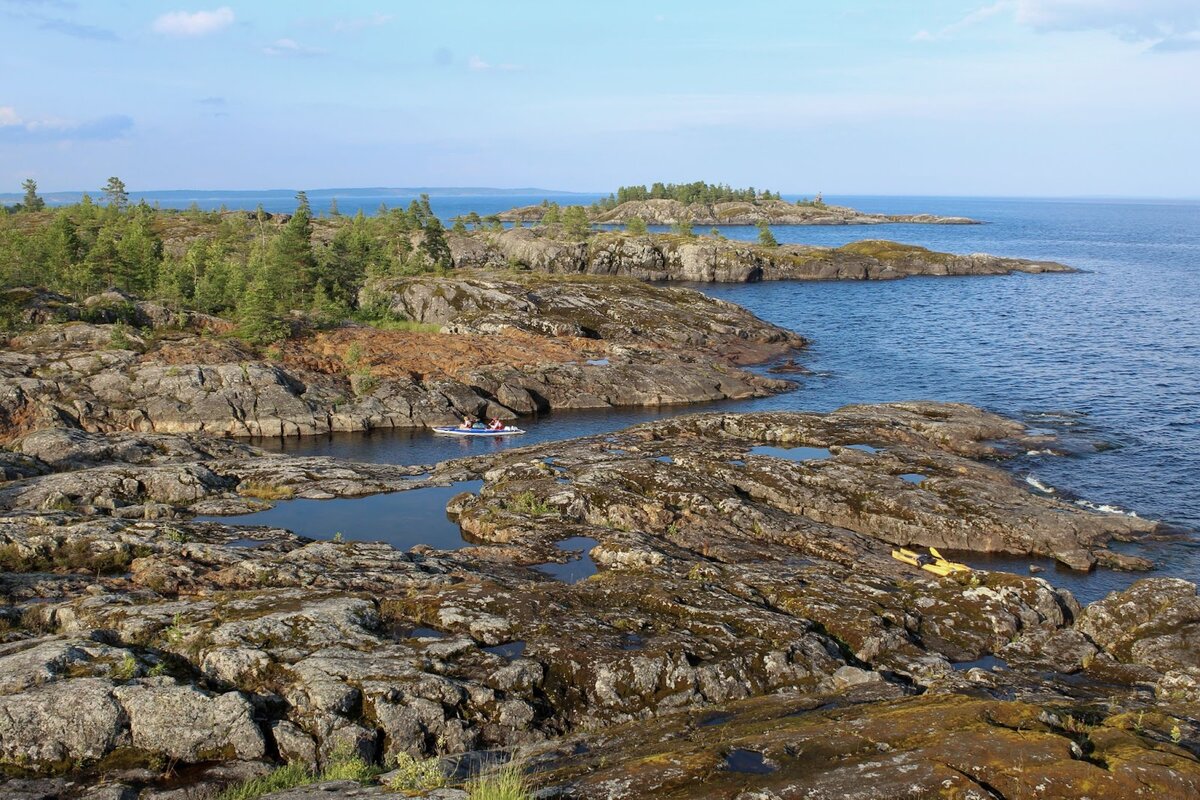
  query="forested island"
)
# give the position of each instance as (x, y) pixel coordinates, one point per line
(702, 203)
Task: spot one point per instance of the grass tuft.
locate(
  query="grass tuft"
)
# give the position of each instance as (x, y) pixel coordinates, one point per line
(528, 503)
(505, 783)
(265, 491)
(343, 766)
(287, 777)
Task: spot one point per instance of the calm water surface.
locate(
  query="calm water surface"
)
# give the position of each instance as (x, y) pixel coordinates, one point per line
(1109, 357)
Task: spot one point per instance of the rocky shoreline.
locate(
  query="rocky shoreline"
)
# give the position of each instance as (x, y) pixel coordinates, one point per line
(668, 257)
(738, 212)
(699, 607)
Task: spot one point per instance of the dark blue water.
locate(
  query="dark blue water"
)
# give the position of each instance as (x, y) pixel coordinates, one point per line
(1113, 353)
(402, 519)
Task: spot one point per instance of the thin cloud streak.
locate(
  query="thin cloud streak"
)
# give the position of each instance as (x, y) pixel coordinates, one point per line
(197, 23)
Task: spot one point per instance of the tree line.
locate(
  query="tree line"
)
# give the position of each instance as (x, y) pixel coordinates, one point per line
(687, 193)
(246, 266)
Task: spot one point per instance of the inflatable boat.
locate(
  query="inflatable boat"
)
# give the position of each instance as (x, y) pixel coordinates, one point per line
(507, 430)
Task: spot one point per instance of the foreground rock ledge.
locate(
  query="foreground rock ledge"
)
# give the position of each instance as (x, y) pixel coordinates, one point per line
(744, 635)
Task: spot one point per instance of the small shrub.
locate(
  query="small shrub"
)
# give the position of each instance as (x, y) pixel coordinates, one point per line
(346, 765)
(265, 491)
(174, 535)
(528, 503)
(127, 670)
(364, 382)
(353, 355)
(405, 325)
(118, 338)
(416, 775)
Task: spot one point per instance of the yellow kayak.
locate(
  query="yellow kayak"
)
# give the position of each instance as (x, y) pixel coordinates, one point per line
(934, 562)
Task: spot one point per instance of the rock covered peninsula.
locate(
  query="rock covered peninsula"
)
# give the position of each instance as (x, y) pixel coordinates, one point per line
(669, 257)
(479, 343)
(698, 608)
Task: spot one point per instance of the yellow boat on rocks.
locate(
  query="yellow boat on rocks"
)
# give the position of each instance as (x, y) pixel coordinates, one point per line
(934, 562)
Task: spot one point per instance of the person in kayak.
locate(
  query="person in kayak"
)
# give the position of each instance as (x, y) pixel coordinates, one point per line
(495, 424)
(468, 422)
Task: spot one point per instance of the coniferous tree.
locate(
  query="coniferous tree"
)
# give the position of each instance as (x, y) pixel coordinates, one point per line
(434, 246)
(290, 262)
(683, 228)
(116, 195)
(765, 237)
(60, 249)
(31, 202)
(575, 221)
(258, 318)
(636, 227)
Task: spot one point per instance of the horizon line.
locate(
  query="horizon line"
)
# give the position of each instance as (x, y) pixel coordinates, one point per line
(467, 190)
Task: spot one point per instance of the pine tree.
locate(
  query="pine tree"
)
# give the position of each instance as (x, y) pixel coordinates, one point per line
(683, 228)
(31, 202)
(60, 248)
(115, 193)
(433, 245)
(765, 237)
(575, 222)
(258, 316)
(291, 260)
(102, 268)
(636, 227)
(140, 252)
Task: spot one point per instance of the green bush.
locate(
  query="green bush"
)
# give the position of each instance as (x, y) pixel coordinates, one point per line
(528, 503)
(416, 775)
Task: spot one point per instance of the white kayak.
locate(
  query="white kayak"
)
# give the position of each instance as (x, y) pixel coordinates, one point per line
(507, 430)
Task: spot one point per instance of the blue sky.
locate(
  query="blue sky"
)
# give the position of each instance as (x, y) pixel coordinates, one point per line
(1009, 97)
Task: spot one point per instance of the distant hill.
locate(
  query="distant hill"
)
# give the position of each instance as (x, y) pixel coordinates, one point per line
(175, 196)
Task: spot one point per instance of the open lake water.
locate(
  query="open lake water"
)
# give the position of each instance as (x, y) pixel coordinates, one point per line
(1109, 358)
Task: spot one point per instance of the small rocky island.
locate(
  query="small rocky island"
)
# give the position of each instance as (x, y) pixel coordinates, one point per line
(703, 607)
(774, 212)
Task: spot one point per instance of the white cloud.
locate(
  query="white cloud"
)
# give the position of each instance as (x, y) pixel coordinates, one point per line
(17, 129)
(197, 23)
(290, 47)
(1172, 24)
(479, 65)
(974, 18)
(1136, 20)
